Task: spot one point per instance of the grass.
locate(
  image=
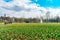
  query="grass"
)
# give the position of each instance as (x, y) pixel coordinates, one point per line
(30, 31)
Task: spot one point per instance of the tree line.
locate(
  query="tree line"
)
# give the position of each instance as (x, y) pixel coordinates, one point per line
(29, 20)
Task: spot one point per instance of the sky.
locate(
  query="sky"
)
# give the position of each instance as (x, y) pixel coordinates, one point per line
(48, 3)
(29, 8)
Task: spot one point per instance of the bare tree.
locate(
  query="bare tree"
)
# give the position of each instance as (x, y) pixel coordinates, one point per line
(41, 18)
(47, 16)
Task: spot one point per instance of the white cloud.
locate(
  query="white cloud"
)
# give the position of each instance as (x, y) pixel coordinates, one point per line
(28, 10)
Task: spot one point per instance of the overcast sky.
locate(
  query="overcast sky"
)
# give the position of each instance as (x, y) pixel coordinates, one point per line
(29, 8)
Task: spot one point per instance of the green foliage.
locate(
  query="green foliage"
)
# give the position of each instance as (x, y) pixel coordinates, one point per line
(1, 21)
(30, 31)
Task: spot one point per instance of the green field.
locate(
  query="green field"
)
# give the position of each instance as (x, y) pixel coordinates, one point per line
(30, 31)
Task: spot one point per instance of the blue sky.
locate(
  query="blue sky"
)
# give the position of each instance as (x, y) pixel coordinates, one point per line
(31, 8)
(47, 3)
(7, 0)
(44, 3)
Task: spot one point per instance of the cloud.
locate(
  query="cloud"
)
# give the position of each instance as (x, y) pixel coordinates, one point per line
(16, 8)
(20, 7)
(23, 8)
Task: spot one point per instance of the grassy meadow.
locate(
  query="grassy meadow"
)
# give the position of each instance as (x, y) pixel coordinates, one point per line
(30, 31)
